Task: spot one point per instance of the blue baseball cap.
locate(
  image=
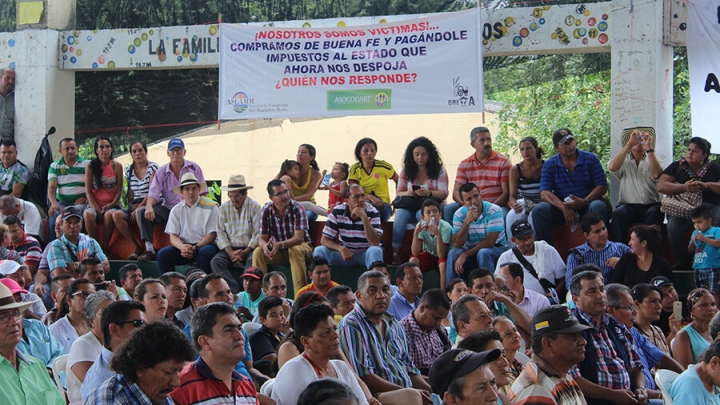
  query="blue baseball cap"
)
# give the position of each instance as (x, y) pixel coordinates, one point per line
(176, 143)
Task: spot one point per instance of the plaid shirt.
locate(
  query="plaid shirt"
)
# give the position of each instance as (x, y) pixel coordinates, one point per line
(118, 391)
(424, 347)
(284, 228)
(611, 369)
(238, 229)
(597, 257)
(369, 352)
(62, 251)
(540, 384)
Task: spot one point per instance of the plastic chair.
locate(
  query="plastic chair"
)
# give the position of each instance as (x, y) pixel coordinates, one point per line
(664, 379)
(522, 358)
(267, 387)
(250, 328)
(59, 365)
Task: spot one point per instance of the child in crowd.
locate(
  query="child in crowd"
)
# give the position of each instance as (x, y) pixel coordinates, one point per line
(265, 341)
(338, 185)
(289, 172)
(248, 300)
(705, 245)
(431, 239)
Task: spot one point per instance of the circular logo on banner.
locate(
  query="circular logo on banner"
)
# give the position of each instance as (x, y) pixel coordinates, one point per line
(381, 98)
(240, 102)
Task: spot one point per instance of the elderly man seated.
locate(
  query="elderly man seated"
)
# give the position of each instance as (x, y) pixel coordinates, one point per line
(25, 379)
(470, 314)
(148, 367)
(26, 212)
(464, 377)
(192, 228)
(36, 338)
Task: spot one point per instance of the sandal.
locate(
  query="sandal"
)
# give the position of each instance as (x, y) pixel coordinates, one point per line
(133, 256)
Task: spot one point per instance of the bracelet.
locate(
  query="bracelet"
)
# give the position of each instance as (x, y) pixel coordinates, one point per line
(282, 245)
(650, 151)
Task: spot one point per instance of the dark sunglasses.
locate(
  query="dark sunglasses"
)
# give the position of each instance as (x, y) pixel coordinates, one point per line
(136, 323)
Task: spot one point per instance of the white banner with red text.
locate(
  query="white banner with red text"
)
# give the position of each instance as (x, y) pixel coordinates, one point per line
(428, 65)
(703, 45)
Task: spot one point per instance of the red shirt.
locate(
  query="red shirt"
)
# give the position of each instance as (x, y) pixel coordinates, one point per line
(198, 385)
(486, 176)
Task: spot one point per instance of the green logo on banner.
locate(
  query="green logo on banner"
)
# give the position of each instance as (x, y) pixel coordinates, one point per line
(370, 99)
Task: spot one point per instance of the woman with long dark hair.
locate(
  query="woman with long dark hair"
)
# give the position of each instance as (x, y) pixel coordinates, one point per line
(308, 180)
(103, 185)
(524, 183)
(373, 175)
(422, 175)
(139, 175)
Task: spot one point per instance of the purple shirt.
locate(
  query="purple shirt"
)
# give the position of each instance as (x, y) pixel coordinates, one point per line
(161, 188)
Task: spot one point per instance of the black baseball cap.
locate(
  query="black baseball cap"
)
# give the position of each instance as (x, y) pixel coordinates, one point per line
(561, 136)
(661, 281)
(71, 211)
(521, 228)
(555, 319)
(456, 363)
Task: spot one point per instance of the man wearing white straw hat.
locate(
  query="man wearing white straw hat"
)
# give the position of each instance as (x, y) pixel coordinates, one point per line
(237, 231)
(25, 379)
(191, 226)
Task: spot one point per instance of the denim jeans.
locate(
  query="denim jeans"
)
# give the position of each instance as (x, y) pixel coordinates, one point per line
(545, 216)
(366, 258)
(486, 257)
(403, 217)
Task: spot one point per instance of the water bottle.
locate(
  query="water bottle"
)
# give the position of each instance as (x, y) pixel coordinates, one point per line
(432, 222)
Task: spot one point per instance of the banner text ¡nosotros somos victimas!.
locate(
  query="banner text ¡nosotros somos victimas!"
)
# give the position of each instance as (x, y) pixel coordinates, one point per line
(428, 65)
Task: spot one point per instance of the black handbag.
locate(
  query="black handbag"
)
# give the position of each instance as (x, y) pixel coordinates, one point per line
(411, 203)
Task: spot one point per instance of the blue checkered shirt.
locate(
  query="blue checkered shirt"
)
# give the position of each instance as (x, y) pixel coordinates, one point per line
(596, 257)
(118, 391)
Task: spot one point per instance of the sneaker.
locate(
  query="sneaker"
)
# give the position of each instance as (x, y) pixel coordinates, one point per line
(147, 256)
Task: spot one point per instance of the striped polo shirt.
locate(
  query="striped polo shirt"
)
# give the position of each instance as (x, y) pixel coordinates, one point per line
(350, 232)
(587, 175)
(199, 386)
(70, 180)
(539, 383)
(486, 176)
(491, 220)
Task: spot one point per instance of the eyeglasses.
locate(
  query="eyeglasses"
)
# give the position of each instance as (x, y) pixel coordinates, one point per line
(5, 318)
(84, 294)
(136, 323)
(282, 193)
(631, 308)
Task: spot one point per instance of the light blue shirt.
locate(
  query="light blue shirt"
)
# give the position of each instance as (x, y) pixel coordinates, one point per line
(706, 256)
(491, 220)
(400, 307)
(39, 343)
(689, 389)
(98, 373)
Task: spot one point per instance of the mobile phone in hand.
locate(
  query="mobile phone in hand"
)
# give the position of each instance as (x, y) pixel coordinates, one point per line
(677, 310)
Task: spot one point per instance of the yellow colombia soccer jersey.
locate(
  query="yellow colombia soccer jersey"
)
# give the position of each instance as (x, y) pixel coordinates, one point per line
(376, 180)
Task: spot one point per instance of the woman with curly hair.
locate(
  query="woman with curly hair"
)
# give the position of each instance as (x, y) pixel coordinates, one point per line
(423, 175)
(644, 261)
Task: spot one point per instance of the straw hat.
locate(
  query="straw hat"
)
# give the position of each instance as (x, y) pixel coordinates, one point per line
(8, 302)
(236, 183)
(185, 180)
(628, 131)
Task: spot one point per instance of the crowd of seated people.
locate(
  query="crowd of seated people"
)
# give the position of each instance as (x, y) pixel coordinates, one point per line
(502, 289)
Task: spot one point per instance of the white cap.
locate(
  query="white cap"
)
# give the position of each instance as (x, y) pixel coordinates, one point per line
(8, 267)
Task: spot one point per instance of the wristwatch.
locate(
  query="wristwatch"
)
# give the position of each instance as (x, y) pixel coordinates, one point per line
(587, 202)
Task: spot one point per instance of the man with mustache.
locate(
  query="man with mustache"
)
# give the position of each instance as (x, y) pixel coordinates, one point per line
(376, 348)
(611, 371)
(557, 344)
(572, 183)
(485, 168)
(217, 335)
